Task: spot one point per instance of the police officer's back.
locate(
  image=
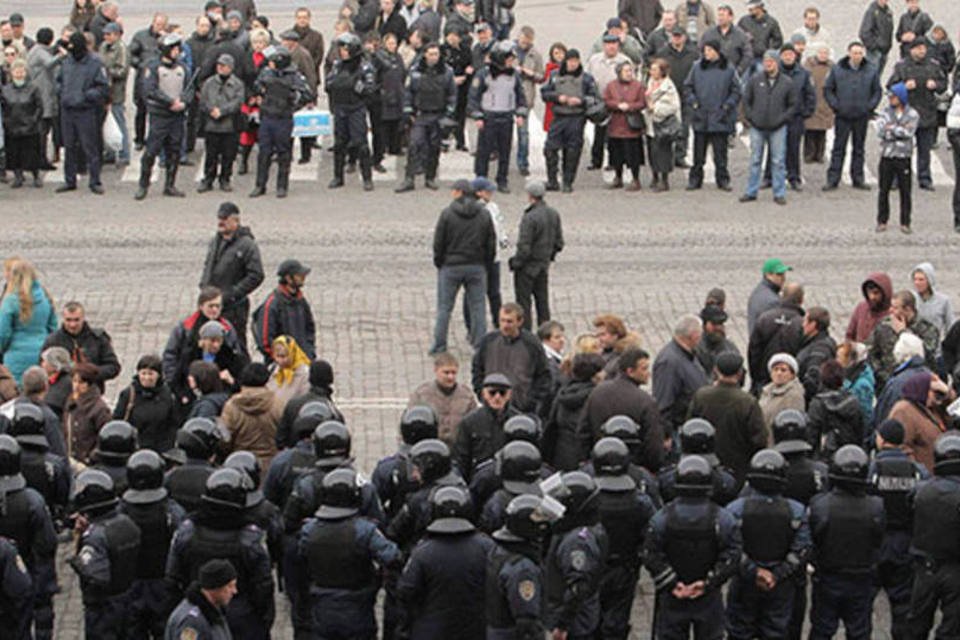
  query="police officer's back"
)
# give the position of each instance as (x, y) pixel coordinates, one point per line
(776, 545)
(848, 528)
(116, 442)
(698, 437)
(393, 475)
(625, 513)
(486, 478)
(351, 81)
(806, 477)
(146, 502)
(45, 472)
(625, 429)
(520, 467)
(292, 463)
(219, 529)
(341, 551)
(446, 572)
(576, 559)
(198, 438)
(16, 591)
(106, 555)
(259, 510)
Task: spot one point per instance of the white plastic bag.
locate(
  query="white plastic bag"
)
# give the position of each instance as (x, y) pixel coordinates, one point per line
(112, 136)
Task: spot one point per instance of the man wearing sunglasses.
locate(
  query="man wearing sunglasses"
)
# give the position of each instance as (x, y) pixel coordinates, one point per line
(480, 433)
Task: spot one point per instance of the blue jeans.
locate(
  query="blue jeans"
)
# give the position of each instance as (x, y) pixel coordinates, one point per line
(523, 145)
(121, 117)
(473, 278)
(879, 60)
(759, 141)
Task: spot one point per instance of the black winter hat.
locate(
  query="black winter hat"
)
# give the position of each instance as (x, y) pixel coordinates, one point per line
(254, 374)
(216, 574)
(321, 373)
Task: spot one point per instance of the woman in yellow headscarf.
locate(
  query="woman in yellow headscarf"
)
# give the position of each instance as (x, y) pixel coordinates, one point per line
(290, 376)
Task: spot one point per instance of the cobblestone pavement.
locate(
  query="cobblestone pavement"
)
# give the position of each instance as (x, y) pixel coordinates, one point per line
(648, 257)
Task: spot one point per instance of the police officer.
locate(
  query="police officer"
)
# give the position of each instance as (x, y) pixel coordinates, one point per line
(200, 615)
(520, 467)
(338, 548)
(25, 521)
(569, 89)
(198, 438)
(291, 464)
(625, 512)
(45, 472)
(691, 549)
(806, 478)
(166, 84)
(146, 502)
(16, 591)
(107, 548)
(514, 588)
(936, 543)
(259, 510)
(495, 100)
(487, 478)
(698, 437)
(576, 559)
(116, 442)
(219, 529)
(776, 545)
(430, 99)
(625, 429)
(351, 81)
(894, 477)
(393, 475)
(282, 90)
(847, 527)
(445, 572)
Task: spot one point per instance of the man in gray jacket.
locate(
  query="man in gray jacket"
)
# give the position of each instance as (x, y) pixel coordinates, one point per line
(220, 100)
(766, 295)
(540, 240)
(43, 62)
(113, 52)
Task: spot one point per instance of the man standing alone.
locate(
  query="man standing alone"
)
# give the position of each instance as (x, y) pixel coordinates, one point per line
(540, 240)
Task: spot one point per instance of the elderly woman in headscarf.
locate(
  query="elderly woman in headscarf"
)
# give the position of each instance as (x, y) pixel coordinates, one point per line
(290, 376)
(917, 412)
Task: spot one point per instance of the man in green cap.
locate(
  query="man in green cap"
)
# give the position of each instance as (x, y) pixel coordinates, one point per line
(766, 295)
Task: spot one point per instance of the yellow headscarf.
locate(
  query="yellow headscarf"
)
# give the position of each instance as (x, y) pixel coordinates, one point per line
(284, 375)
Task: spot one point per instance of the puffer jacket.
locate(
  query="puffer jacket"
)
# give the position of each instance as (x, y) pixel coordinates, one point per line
(834, 420)
(853, 93)
(565, 444)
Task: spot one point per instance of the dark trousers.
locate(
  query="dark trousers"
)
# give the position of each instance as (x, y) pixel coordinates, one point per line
(795, 129)
(935, 586)
(496, 136)
(81, 134)
(844, 128)
(599, 139)
(350, 138)
(531, 282)
(895, 577)
(799, 606)
(494, 299)
(221, 151)
(566, 135)
(106, 620)
(140, 120)
(392, 135)
(423, 155)
(148, 608)
(46, 128)
(626, 151)
(719, 143)
(306, 147)
(954, 137)
(194, 125)
(683, 140)
(617, 587)
(237, 314)
(374, 111)
(676, 617)
(926, 138)
(814, 146)
(894, 171)
(752, 613)
(839, 597)
(166, 134)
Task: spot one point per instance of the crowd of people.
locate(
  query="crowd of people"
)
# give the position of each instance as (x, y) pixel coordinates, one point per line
(412, 73)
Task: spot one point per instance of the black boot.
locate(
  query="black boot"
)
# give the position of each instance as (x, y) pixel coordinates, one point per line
(283, 178)
(408, 183)
(304, 153)
(552, 156)
(205, 185)
(263, 174)
(17, 179)
(244, 167)
(339, 160)
(170, 186)
(430, 180)
(366, 170)
(146, 169)
(571, 161)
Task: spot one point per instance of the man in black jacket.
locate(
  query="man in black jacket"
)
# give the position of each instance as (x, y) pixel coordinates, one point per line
(233, 265)
(778, 330)
(464, 246)
(680, 54)
(924, 80)
(480, 433)
(876, 33)
(762, 28)
(734, 41)
(286, 312)
(84, 343)
(144, 48)
(816, 347)
(769, 101)
(540, 240)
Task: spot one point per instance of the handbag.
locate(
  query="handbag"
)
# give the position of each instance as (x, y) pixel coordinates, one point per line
(669, 128)
(635, 121)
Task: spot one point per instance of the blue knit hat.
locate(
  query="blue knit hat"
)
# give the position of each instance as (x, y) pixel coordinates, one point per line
(900, 90)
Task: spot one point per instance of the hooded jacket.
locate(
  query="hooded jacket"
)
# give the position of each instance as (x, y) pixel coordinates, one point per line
(864, 318)
(834, 420)
(936, 308)
(565, 444)
(251, 418)
(853, 93)
(464, 235)
(734, 45)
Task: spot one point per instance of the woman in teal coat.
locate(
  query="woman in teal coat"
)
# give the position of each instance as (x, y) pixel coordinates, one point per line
(26, 318)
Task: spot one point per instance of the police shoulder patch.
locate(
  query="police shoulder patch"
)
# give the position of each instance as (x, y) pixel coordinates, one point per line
(86, 555)
(188, 633)
(527, 590)
(578, 559)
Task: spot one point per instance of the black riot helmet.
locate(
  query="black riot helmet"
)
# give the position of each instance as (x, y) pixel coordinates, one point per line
(611, 462)
(419, 423)
(199, 438)
(116, 442)
(93, 492)
(768, 471)
(946, 454)
(522, 427)
(248, 464)
(318, 408)
(451, 509)
(304, 426)
(525, 519)
(145, 470)
(849, 466)
(624, 428)
(27, 425)
(331, 443)
(500, 53)
(694, 476)
(339, 495)
(579, 493)
(697, 436)
(168, 43)
(432, 458)
(226, 488)
(790, 432)
(280, 57)
(351, 43)
(10, 477)
(520, 464)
